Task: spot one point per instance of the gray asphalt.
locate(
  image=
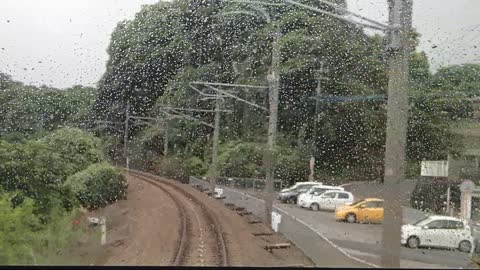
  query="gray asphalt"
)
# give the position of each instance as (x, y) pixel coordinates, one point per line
(363, 240)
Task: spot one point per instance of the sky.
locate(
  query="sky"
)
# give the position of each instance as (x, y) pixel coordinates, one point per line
(63, 42)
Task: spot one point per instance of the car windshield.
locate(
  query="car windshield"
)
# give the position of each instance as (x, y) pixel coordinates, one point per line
(357, 203)
(196, 132)
(421, 221)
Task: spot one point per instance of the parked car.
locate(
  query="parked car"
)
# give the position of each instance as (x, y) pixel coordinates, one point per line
(290, 195)
(298, 184)
(369, 210)
(438, 231)
(329, 200)
(313, 197)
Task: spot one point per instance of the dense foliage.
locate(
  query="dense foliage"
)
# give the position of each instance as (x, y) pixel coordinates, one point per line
(24, 240)
(37, 169)
(430, 195)
(98, 185)
(27, 110)
(155, 56)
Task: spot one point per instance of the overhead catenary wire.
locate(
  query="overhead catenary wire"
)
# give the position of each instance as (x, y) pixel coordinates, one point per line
(340, 8)
(377, 27)
(191, 110)
(180, 115)
(237, 98)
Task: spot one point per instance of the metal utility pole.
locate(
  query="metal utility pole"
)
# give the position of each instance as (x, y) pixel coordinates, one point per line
(125, 134)
(400, 19)
(273, 85)
(216, 141)
(315, 122)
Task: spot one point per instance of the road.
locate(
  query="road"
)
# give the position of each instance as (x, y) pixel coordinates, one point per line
(363, 240)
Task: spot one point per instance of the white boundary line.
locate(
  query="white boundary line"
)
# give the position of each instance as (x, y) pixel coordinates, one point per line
(326, 239)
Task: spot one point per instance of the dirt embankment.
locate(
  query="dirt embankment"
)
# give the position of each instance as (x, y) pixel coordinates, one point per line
(142, 230)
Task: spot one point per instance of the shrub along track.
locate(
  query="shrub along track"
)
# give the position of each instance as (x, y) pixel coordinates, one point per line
(200, 235)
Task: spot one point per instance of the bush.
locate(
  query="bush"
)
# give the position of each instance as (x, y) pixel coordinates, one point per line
(77, 148)
(290, 166)
(169, 167)
(195, 166)
(98, 185)
(240, 159)
(177, 168)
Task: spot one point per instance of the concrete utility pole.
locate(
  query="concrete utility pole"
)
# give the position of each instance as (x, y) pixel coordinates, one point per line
(400, 20)
(273, 85)
(216, 141)
(125, 134)
(315, 121)
(165, 138)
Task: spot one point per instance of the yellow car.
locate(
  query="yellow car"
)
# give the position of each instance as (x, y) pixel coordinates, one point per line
(369, 210)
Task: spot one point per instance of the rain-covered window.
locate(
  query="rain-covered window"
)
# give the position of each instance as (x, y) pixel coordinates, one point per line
(190, 132)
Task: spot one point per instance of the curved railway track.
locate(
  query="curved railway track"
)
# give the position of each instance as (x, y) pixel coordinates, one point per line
(200, 235)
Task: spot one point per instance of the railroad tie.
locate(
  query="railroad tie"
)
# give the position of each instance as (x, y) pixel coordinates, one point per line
(254, 222)
(262, 234)
(270, 247)
(244, 213)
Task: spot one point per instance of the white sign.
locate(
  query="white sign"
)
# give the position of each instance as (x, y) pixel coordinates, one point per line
(276, 219)
(434, 168)
(218, 192)
(94, 220)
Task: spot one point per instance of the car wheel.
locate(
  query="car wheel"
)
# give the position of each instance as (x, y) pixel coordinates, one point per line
(351, 218)
(413, 242)
(465, 246)
(292, 201)
(315, 207)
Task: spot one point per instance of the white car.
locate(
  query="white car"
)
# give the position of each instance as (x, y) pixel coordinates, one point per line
(299, 184)
(328, 200)
(315, 191)
(438, 231)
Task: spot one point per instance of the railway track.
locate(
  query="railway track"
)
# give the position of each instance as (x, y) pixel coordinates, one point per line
(201, 240)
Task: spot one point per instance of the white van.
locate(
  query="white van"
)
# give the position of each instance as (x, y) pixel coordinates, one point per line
(314, 194)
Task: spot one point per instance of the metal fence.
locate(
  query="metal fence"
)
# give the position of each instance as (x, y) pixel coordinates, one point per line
(253, 183)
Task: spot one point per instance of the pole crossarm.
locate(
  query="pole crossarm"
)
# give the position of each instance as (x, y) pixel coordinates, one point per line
(415, 98)
(182, 115)
(350, 98)
(108, 122)
(237, 98)
(202, 93)
(179, 115)
(192, 110)
(231, 85)
(376, 27)
(257, 3)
